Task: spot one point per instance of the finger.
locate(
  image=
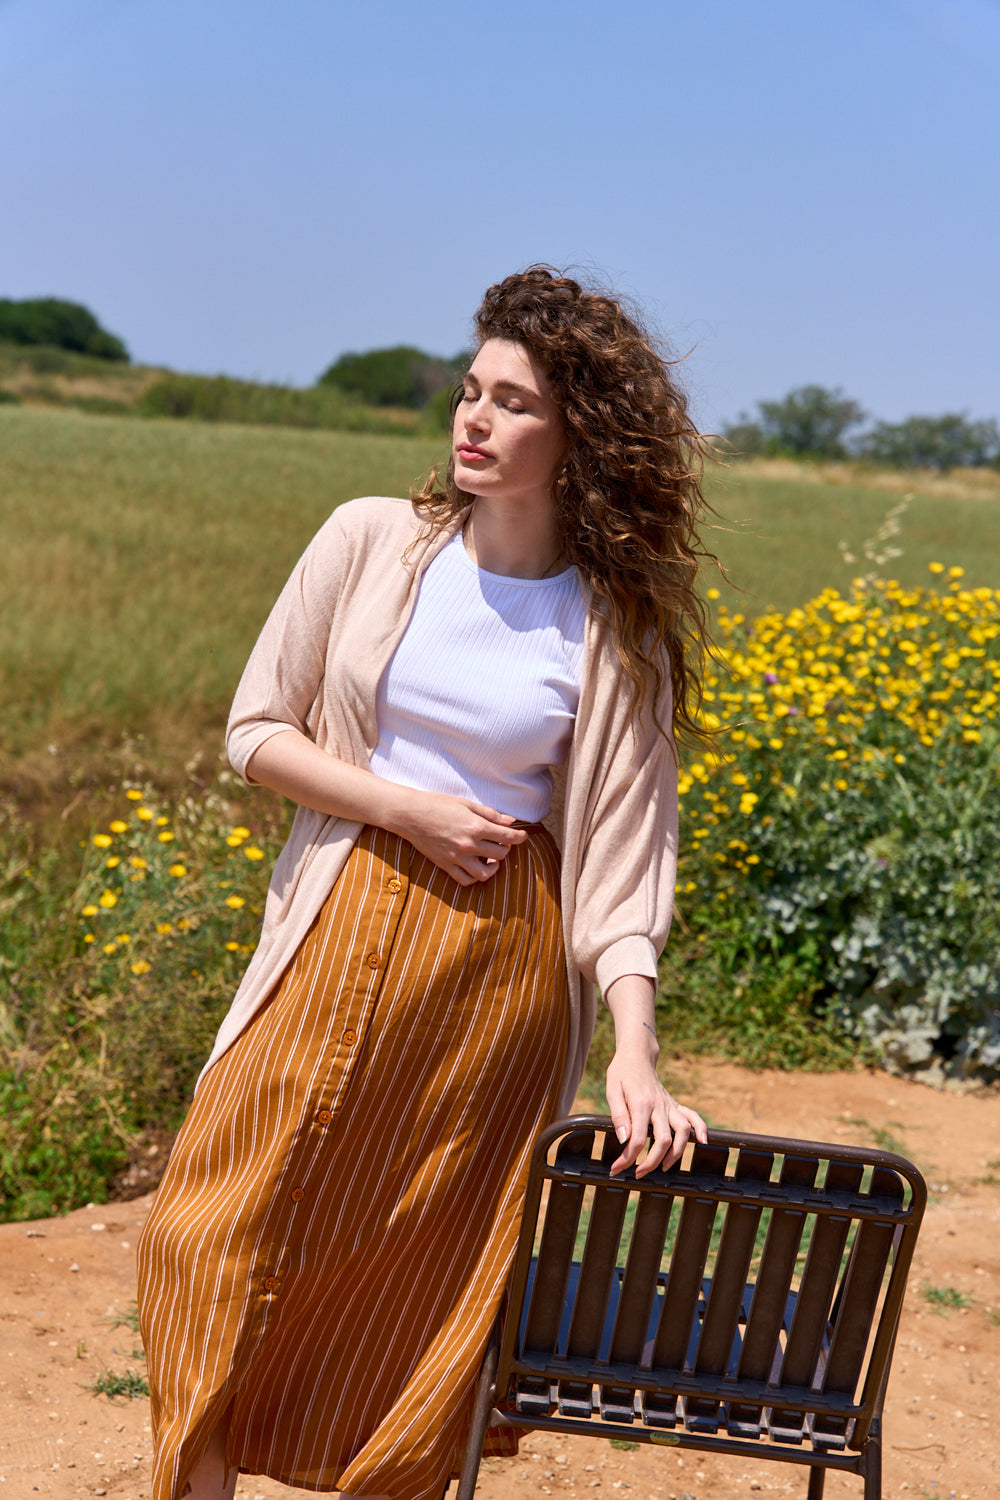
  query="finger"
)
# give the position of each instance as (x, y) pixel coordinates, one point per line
(638, 1114)
(491, 815)
(474, 870)
(492, 849)
(499, 829)
(696, 1122)
(663, 1142)
(681, 1130)
(682, 1124)
(620, 1119)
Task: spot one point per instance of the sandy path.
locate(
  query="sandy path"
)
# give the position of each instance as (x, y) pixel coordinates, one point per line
(67, 1279)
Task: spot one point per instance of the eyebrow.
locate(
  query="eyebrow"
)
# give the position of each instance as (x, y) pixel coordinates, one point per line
(507, 385)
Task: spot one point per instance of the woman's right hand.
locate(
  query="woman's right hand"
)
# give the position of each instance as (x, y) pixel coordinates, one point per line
(462, 838)
(465, 840)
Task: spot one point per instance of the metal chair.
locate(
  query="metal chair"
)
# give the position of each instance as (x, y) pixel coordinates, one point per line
(746, 1301)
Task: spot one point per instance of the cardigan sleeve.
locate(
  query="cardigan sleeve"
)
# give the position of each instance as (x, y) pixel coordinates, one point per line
(627, 853)
(282, 682)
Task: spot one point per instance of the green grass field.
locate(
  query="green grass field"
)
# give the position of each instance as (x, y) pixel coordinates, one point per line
(141, 557)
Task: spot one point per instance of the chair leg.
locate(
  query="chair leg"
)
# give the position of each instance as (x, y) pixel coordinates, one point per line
(873, 1462)
(817, 1474)
(485, 1391)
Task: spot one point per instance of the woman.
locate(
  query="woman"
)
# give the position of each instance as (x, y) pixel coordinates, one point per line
(443, 685)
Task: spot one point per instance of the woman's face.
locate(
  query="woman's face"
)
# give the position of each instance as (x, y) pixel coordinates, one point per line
(509, 441)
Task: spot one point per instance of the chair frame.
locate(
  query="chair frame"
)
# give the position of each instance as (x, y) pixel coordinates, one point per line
(618, 1344)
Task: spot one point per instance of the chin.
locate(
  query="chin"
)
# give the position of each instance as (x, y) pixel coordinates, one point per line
(467, 479)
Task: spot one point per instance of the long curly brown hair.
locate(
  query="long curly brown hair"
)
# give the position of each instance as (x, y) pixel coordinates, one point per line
(629, 497)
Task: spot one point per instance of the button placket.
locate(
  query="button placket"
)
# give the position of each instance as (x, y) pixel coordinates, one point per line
(342, 1054)
(360, 998)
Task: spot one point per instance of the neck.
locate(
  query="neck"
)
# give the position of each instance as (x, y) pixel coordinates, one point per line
(514, 543)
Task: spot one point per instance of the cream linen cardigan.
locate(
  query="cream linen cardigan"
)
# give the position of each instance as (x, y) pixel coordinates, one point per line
(315, 668)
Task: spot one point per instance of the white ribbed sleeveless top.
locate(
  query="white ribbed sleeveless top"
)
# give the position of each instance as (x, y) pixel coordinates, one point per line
(481, 692)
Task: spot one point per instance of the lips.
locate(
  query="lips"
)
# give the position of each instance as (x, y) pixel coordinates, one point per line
(469, 450)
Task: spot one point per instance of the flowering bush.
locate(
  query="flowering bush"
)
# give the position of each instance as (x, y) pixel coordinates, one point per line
(169, 906)
(113, 985)
(852, 826)
(181, 889)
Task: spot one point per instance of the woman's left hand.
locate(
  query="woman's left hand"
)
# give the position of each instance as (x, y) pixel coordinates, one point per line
(637, 1100)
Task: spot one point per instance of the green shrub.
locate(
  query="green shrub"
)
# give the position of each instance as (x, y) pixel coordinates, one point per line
(219, 398)
(853, 832)
(401, 376)
(64, 325)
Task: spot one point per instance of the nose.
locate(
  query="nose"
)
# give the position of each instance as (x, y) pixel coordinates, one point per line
(475, 415)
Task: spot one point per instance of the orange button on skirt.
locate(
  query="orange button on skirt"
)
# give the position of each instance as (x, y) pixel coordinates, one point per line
(329, 1246)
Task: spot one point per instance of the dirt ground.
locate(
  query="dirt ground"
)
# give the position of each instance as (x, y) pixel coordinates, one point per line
(68, 1279)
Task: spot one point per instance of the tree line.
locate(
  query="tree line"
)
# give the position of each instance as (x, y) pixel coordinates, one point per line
(811, 422)
(815, 422)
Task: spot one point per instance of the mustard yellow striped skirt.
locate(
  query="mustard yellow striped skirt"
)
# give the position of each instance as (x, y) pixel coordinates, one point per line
(329, 1246)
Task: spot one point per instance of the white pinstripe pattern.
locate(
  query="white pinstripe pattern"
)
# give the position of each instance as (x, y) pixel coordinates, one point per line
(354, 1370)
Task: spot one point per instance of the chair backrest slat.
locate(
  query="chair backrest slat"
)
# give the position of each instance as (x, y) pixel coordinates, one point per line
(597, 1284)
(719, 1345)
(770, 1301)
(631, 1335)
(732, 1266)
(814, 1300)
(858, 1299)
(687, 1266)
(555, 1253)
(598, 1269)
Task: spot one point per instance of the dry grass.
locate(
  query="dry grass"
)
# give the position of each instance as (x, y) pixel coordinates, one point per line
(959, 484)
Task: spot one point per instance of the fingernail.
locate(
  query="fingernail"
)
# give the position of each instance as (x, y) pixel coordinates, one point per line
(621, 1133)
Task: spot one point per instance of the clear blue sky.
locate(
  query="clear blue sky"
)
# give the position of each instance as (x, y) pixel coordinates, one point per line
(797, 190)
